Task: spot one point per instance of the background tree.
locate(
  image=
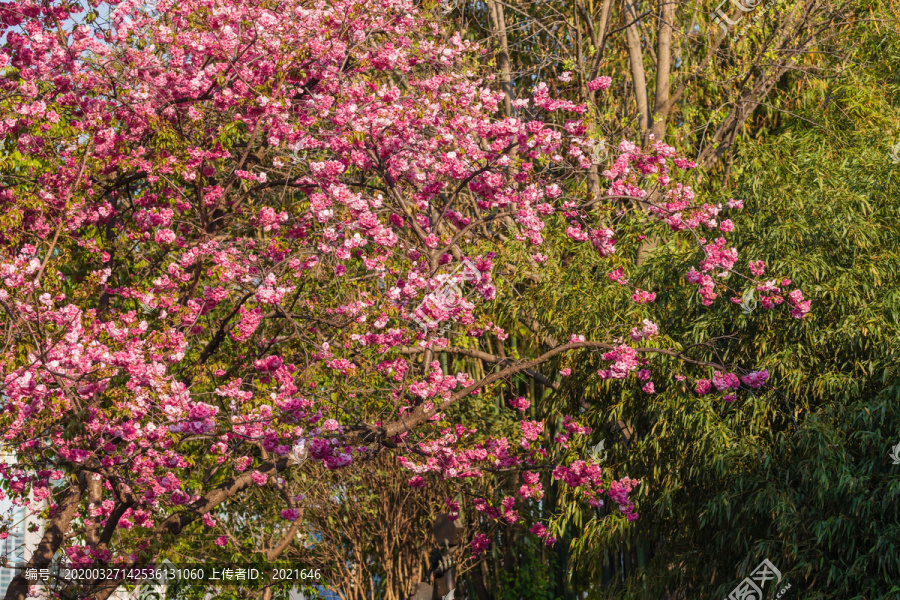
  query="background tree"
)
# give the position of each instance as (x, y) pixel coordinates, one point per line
(692, 80)
(800, 474)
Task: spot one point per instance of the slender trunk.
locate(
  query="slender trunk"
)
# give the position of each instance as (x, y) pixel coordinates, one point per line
(636, 61)
(285, 542)
(662, 107)
(509, 561)
(498, 23)
(663, 68)
(477, 575)
(593, 177)
(598, 37)
(598, 40)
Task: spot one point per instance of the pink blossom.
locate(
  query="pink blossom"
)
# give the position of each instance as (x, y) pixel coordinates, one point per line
(531, 430)
(703, 386)
(519, 403)
(164, 236)
(643, 297)
(624, 361)
(480, 543)
(756, 379)
(800, 306)
(647, 331)
(617, 276)
(338, 461)
(757, 267)
(725, 381)
(601, 83)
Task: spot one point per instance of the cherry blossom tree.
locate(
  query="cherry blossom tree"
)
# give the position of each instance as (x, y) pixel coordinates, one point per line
(240, 233)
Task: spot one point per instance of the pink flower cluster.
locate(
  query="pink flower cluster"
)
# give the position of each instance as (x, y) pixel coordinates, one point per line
(725, 381)
(800, 307)
(756, 379)
(601, 83)
(290, 514)
(647, 331)
(624, 361)
(643, 297)
(717, 256)
(480, 543)
(707, 286)
(618, 493)
(531, 430)
(519, 403)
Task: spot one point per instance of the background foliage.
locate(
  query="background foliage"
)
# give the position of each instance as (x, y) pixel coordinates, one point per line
(801, 474)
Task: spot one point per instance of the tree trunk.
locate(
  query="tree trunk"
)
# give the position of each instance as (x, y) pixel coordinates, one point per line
(636, 61)
(661, 106)
(498, 23)
(53, 537)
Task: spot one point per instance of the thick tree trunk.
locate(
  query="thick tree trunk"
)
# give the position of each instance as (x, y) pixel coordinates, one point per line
(53, 537)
